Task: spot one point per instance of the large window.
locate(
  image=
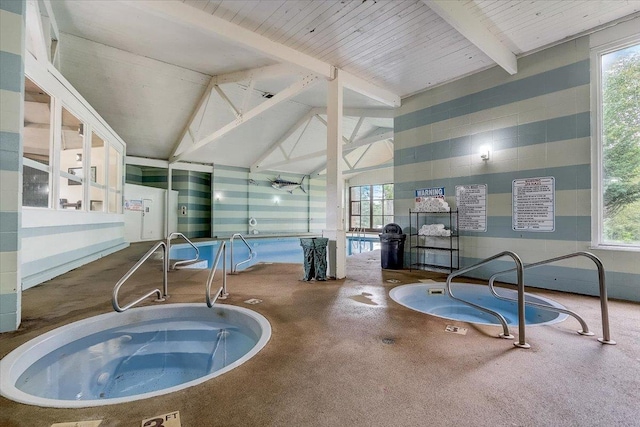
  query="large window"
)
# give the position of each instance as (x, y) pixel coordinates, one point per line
(370, 206)
(66, 164)
(619, 146)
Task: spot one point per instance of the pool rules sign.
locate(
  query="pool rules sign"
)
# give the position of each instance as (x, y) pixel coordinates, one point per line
(534, 204)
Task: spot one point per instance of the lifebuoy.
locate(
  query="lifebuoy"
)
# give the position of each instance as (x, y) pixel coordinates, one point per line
(253, 222)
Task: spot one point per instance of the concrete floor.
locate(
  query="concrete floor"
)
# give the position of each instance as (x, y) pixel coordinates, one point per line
(328, 362)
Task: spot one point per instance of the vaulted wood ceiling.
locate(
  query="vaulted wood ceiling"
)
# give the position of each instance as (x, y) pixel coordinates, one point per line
(165, 75)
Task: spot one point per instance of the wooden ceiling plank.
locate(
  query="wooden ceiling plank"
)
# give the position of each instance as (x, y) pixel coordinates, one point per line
(455, 14)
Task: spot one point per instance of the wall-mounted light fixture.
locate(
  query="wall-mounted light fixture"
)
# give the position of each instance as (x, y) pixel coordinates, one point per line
(485, 153)
(276, 200)
(78, 157)
(218, 197)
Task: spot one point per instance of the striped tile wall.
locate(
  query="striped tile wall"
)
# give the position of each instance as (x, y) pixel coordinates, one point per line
(536, 123)
(240, 195)
(194, 192)
(12, 30)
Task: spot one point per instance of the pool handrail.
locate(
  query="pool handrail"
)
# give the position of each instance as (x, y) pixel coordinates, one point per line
(222, 292)
(602, 285)
(123, 279)
(184, 261)
(519, 268)
(252, 253)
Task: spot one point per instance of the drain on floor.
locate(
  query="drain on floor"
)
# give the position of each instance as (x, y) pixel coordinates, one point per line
(393, 281)
(388, 340)
(456, 330)
(253, 301)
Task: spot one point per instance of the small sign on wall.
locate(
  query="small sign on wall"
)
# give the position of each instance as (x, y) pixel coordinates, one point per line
(472, 207)
(534, 204)
(133, 205)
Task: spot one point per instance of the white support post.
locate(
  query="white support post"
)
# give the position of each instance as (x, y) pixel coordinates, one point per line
(335, 182)
(226, 99)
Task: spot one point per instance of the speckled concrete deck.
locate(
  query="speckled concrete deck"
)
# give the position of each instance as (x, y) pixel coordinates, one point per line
(343, 354)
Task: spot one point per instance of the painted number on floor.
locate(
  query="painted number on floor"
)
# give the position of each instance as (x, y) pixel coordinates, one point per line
(167, 420)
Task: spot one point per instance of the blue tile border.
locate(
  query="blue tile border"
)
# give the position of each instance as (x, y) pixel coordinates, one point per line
(11, 72)
(13, 6)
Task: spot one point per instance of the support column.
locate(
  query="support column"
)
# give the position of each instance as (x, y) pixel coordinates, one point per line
(12, 34)
(335, 184)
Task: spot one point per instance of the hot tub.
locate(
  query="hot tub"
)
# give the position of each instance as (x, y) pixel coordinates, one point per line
(141, 353)
(432, 299)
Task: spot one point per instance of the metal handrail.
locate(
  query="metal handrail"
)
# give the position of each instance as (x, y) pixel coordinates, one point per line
(186, 261)
(604, 307)
(519, 268)
(222, 292)
(161, 297)
(252, 253)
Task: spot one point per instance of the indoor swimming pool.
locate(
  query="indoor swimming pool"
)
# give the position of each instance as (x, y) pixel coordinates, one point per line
(267, 250)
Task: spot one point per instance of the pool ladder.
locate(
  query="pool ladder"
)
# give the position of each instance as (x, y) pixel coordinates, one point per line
(519, 269)
(252, 253)
(184, 261)
(162, 296)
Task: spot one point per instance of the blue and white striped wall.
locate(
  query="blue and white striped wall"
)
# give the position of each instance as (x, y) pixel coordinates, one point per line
(537, 124)
(194, 192)
(240, 195)
(12, 34)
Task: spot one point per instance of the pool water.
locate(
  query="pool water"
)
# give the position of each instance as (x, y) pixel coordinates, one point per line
(135, 359)
(432, 299)
(271, 249)
(140, 353)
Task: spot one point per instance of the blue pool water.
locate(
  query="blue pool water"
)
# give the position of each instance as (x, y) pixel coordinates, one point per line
(269, 249)
(140, 353)
(432, 299)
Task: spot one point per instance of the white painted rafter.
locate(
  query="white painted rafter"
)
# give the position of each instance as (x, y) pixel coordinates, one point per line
(303, 121)
(52, 19)
(190, 16)
(380, 134)
(34, 24)
(455, 14)
(297, 87)
(179, 146)
(261, 73)
(236, 112)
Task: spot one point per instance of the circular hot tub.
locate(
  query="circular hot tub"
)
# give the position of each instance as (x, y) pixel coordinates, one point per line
(141, 353)
(432, 299)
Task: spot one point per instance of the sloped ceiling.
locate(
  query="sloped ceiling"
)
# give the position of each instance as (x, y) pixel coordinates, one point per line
(149, 74)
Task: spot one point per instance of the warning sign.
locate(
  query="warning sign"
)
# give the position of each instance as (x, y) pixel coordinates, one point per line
(534, 204)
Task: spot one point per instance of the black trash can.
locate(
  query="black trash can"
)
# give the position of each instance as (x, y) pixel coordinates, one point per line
(315, 258)
(392, 247)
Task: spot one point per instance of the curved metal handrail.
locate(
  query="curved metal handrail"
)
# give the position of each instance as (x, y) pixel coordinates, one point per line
(161, 297)
(604, 307)
(252, 253)
(519, 268)
(222, 292)
(185, 261)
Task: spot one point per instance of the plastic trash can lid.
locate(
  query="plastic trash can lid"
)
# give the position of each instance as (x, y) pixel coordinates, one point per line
(392, 228)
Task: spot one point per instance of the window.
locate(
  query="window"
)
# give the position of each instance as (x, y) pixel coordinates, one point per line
(370, 206)
(36, 181)
(72, 176)
(618, 133)
(67, 165)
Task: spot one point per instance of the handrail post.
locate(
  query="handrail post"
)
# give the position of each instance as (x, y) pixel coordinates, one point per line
(222, 292)
(128, 274)
(177, 234)
(522, 343)
(602, 284)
